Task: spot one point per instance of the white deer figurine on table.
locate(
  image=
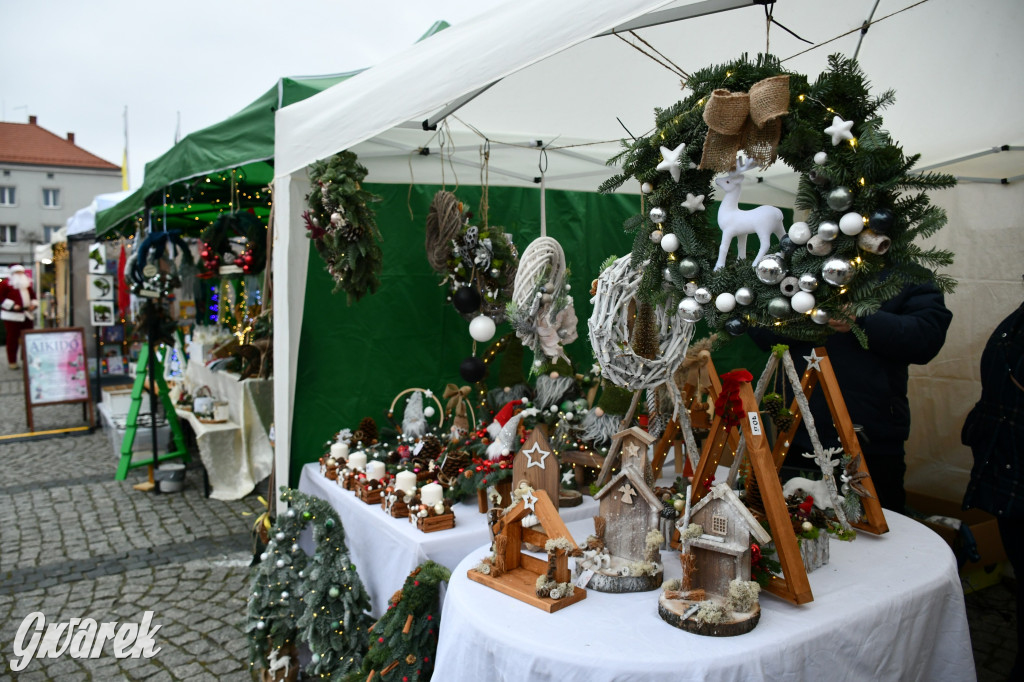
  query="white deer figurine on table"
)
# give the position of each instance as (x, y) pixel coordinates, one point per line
(736, 222)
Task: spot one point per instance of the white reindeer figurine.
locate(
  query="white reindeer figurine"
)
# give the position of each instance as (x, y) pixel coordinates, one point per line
(735, 222)
(274, 664)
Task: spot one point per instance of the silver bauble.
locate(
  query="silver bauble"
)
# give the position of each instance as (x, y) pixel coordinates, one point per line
(658, 215)
(690, 310)
(688, 267)
(828, 230)
(284, 595)
(837, 272)
(819, 316)
(770, 270)
(789, 285)
(260, 625)
(778, 307)
(690, 288)
(808, 282)
(744, 296)
(840, 199)
(667, 274)
(702, 295)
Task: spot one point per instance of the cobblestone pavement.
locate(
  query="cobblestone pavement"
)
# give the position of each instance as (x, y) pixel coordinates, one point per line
(74, 543)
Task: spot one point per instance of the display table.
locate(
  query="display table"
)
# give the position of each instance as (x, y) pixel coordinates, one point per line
(237, 454)
(885, 608)
(385, 549)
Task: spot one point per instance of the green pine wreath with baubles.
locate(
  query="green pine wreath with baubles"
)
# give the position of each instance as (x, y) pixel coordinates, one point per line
(343, 226)
(866, 208)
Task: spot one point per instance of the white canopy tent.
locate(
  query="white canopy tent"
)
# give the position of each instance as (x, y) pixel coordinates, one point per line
(571, 77)
(84, 220)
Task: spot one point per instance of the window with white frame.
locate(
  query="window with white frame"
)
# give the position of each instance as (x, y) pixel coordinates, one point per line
(8, 234)
(719, 525)
(51, 198)
(6, 195)
(48, 231)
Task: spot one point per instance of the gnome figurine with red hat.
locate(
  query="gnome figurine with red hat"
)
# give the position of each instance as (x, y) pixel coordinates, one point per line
(17, 303)
(503, 430)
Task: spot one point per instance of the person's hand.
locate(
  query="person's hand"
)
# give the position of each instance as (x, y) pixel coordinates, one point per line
(32, 306)
(840, 325)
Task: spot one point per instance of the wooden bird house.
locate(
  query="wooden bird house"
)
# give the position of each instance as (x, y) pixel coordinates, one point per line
(537, 464)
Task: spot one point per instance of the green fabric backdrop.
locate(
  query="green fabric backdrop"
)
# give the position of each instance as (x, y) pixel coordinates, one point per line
(354, 360)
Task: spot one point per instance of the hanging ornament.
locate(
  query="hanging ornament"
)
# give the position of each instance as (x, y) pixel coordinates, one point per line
(669, 243)
(778, 307)
(817, 177)
(881, 220)
(647, 188)
(787, 246)
(482, 328)
(693, 203)
(658, 215)
(666, 274)
(429, 410)
(333, 592)
(808, 282)
(279, 563)
(284, 595)
(837, 272)
(839, 130)
(789, 285)
(702, 295)
(466, 299)
(802, 301)
(744, 296)
(472, 369)
(671, 160)
(725, 302)
(656, 236)
(800, 233)
(260, 625)
(840, 199)
(770, 270)
(851, 223)
(821, 158)
(690, 288)
(736, 326)
(690, 310)
(828, 230)
(819, 316)
(688, 267)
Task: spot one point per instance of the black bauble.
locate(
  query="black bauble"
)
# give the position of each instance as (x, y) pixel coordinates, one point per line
(466, 300)
(881, 220)
(787, 246)
(736, 326)
(472, 369)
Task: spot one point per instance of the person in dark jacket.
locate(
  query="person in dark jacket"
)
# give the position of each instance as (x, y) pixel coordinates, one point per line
(994, 430)
(909, 329)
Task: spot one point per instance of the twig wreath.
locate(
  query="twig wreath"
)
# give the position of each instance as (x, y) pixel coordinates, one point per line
(856, 248)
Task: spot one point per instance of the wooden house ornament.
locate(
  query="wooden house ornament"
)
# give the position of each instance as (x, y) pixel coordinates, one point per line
(716, 596)
(544, 584)
(537, 464)
(624, 555)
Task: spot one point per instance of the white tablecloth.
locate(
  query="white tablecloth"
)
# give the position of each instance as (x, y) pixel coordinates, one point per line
(385, 549)
(235, 460)
(885, 608)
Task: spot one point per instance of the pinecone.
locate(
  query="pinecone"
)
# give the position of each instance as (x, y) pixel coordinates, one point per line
(456, 460)
(783, 419)
(350, 231)
(369, 429)
(772, 403)
(432, 447)
(668, 511)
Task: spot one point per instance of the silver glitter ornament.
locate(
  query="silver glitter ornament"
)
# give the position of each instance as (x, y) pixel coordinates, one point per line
(690, 289)
(837, 272)
(658, 215)
(778, 307)
(702, 295)
(789, 285)
(819, 316)
(770, 270)
(828, 230)
(840, 199)
(744, 296)
(688, 267)
(808, 282)
(690, 310)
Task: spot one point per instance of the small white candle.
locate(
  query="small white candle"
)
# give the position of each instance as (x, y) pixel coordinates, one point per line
(406, 481)
(339, 450)
(431, 493)
(357, 461)
(374, 470)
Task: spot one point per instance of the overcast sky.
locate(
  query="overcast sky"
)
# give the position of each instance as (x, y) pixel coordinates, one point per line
(76, 65)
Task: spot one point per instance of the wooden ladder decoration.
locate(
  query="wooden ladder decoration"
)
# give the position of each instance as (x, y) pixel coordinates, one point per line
(793, 585)
(819, 371)
(179, 451)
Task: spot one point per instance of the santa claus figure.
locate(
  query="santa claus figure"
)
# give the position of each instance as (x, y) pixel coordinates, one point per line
(17, 303)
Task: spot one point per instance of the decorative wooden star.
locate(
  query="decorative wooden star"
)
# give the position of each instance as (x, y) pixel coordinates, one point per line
(839, 130)
(694, 203)
(671, 160)
(532, 458)
(628, 492)
(632, 450)
(529, 500)
(813, 361)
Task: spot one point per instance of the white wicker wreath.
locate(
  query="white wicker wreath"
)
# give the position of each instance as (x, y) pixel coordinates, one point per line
(609, 335)
(542, 313)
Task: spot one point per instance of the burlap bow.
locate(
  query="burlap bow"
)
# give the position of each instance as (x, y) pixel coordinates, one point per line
(748, 121)
(456, 405)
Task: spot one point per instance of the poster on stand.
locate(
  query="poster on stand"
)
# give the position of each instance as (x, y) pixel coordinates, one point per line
(101, 287)
(101, 313)
(97, 259)
(55, 369)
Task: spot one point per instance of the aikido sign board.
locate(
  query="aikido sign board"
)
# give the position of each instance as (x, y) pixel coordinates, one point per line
(55, 369)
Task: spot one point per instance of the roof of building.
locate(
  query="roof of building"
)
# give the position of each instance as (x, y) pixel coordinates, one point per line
(27, 143)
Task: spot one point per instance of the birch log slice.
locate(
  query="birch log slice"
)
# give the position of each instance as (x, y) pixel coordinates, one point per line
(672, 610)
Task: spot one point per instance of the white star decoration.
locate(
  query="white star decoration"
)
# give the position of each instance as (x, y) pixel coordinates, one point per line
(839, 130)
(529, 500)
(628, 492)
(534, 452)
(694, 203)
(670, 160)
(567, 477)
(813, 361)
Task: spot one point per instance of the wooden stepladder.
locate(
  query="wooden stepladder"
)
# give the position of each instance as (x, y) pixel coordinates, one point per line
(154, 367)
(793, 585)
(819, 371)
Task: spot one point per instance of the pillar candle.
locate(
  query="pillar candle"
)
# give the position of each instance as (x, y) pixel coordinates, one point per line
(406, 481)
(374, 470)
(431, 493)
(339, 450)
(357, 461)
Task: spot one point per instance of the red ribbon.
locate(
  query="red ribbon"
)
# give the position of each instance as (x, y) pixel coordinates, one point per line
(728, 404)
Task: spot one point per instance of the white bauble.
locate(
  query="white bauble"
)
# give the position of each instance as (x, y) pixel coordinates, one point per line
(802, 301)
(725, 302)
(647, 188)
(429, 411)
(851, 223)
(799, 233)
(669, 242)
(821, 158)
(482, 328)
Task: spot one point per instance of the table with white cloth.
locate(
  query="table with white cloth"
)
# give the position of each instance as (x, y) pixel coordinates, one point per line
(885, 607)
(237, 454)
(385, 549)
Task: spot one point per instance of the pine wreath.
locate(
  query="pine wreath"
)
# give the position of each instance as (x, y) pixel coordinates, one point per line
(218, 241)
(342, 225)
(866, 209)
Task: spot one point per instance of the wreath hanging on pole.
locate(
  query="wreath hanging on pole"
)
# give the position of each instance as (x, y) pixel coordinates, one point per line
(218, 243)
(342, 225)
(856, 248)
